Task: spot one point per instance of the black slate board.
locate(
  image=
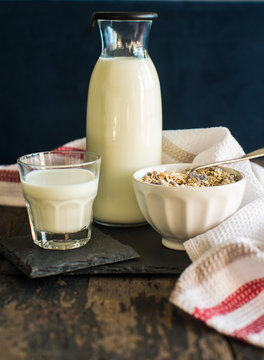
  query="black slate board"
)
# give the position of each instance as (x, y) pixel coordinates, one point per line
(154, 257)
(36, 262)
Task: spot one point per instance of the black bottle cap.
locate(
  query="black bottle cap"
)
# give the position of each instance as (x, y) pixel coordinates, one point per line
(121, 15)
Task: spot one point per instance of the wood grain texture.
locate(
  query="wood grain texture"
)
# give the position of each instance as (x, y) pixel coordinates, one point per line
(104, 318)
(101, 317)
(12, 220)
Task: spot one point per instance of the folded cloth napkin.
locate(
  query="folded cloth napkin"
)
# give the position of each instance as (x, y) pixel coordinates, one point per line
(223, 287)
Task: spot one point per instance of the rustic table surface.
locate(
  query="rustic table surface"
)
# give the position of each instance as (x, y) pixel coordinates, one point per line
(100, 317)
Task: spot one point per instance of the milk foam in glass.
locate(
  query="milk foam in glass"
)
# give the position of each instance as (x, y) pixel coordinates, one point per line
(124, 114)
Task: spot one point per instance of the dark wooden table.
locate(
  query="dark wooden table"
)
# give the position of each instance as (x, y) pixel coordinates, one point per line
(101, 317)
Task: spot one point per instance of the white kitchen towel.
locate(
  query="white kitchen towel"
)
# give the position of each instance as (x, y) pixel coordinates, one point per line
(223, 287)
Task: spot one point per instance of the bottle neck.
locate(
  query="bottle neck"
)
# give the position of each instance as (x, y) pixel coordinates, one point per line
(124, 38)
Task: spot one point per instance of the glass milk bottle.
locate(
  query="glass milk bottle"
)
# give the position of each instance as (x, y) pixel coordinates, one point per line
(124, 114)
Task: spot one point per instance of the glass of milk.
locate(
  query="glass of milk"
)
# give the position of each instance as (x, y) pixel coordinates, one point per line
(59, 189)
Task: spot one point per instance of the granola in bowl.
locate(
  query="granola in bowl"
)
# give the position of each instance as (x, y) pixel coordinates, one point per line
(178, 211)
(211, 176)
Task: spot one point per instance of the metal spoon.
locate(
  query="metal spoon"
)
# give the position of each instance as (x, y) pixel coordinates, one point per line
(251, 155)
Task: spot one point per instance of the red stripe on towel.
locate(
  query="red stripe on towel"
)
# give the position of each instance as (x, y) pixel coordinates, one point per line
(12, 176)
(235, 300)
(253, 328)
(9, 176)
(67, 148)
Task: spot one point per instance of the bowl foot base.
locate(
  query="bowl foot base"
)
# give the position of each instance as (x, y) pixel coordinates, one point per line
(173, 244)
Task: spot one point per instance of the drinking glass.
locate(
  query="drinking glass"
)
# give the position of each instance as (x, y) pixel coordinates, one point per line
(59, 188)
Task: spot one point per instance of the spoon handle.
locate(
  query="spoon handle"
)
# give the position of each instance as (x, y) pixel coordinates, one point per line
(251, 155)
(254, 154)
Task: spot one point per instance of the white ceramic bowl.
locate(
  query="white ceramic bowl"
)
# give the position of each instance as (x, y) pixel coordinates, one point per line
(179, 213)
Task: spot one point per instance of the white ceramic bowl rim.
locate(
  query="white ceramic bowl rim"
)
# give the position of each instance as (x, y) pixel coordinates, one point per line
(141, 172)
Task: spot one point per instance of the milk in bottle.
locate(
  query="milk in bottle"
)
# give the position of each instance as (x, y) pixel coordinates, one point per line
(124, 115)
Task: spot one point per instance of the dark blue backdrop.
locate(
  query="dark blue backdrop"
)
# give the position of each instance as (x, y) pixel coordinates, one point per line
(209, 56)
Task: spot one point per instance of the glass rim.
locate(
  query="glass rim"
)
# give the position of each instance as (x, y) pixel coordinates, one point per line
(21, 159)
